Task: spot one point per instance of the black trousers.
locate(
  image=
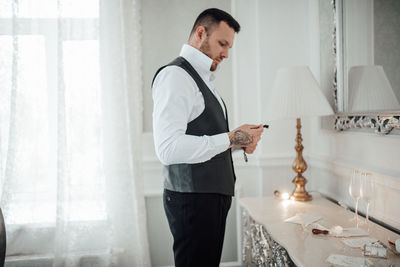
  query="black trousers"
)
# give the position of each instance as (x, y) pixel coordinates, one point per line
(197, 223)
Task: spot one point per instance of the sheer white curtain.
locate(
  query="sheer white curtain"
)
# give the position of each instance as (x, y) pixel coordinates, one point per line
(70, 129)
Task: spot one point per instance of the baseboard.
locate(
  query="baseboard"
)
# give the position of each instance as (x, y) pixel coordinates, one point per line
(222, 264)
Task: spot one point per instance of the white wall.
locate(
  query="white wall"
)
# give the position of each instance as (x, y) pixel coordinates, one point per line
(275, 34)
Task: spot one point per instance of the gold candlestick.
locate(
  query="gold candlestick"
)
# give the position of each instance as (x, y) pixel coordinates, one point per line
(300, 166)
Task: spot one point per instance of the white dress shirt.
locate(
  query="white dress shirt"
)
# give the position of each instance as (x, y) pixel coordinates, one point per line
(178, 101)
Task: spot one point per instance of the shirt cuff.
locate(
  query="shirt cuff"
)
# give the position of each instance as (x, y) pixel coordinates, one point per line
(222, 140)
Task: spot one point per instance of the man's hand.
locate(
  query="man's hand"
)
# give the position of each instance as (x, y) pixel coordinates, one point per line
(250, 149)
(246, 136)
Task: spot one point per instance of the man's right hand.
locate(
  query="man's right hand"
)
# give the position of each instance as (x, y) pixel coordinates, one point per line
(246, 135)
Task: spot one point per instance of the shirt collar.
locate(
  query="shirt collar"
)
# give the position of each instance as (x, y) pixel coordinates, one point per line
(200, 61)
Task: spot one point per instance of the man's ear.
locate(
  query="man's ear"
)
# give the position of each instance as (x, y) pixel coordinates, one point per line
(201, 33)
(198, 37)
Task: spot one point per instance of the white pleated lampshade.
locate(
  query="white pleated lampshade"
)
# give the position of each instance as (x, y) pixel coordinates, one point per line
(296, 94)
(370, 90)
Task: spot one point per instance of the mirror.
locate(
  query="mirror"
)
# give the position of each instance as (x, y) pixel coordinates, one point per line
(368, 64)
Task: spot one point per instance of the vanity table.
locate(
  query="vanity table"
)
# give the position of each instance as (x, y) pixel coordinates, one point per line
(269, 241)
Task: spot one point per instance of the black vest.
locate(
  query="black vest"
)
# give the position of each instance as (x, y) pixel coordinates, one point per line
(217, 174)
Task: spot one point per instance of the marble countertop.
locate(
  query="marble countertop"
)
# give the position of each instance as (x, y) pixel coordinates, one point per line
(305, 248)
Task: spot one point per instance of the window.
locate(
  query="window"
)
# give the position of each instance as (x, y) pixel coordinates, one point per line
(50, 131)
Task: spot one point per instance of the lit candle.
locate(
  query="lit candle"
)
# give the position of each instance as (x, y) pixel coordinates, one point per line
(285, 196)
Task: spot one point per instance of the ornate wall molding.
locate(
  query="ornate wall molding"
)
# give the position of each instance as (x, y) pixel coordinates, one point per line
(334, 51)
(382, 124)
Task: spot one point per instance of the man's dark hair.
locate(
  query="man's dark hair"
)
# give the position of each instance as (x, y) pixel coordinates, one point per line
(212, 17)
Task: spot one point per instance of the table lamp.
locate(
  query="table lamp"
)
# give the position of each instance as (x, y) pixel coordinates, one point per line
(295, 95)
(370, 90)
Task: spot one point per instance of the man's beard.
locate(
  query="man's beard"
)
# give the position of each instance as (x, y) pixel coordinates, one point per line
(205, 48)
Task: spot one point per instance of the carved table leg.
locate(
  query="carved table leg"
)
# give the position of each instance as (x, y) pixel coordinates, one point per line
(259, 249)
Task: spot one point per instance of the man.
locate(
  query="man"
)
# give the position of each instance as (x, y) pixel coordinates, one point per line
(193, 141)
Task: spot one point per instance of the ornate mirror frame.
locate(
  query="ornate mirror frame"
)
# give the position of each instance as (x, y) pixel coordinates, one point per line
(381, 122)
